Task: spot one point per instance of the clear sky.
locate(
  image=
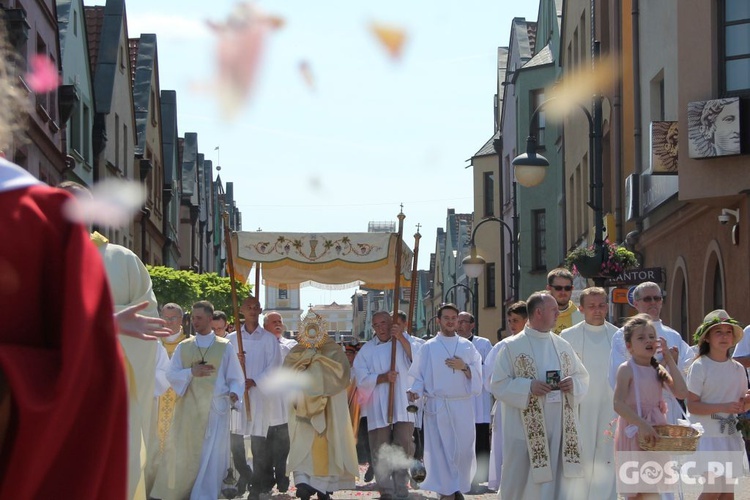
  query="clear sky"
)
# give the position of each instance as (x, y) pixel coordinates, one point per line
(374, 133)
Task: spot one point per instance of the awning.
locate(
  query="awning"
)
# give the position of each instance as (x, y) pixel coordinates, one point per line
(338, 260)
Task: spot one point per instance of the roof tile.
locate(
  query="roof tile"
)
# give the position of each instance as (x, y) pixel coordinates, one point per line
(94, 23)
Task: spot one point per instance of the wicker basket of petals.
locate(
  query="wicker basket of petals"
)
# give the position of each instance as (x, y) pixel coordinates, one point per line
(675, 438)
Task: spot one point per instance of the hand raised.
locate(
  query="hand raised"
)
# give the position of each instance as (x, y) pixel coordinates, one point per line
(135, 325)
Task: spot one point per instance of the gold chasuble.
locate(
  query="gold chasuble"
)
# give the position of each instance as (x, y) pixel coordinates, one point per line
(168, 399)
(185, 442)
(322, 441)
(161, 420)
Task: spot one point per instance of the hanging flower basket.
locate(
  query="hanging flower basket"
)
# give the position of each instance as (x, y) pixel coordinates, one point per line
(607, 260)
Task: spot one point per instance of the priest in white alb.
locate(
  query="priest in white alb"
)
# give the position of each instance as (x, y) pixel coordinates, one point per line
(539, 381)
(447, 371)
(592, 341)
(207, 377)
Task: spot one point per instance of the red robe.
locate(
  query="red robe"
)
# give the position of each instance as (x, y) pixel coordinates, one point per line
(67, 435)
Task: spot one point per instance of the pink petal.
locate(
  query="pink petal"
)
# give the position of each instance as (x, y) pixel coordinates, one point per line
(44, 76)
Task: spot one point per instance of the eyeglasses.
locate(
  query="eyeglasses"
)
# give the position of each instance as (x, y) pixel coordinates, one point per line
(560, 288)
(652, 298)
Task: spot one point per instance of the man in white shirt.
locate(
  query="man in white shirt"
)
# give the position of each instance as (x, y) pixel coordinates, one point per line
(742, 354)
(591, 340)
(388, 438)
(219, 323)
(277, 439)
(482, 402)
(262, 355)
(742, 350)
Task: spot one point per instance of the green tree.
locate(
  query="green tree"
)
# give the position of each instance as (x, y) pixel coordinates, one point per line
(186, 287)
(172, 285)
(218, 290)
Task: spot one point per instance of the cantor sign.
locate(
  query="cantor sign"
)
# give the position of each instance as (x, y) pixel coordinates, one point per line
(636, 276)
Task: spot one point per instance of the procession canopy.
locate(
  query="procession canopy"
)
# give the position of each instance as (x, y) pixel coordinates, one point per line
(325, 260)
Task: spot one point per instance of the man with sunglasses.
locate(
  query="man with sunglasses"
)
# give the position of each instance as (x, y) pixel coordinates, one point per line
(648, 299)
(560, 286)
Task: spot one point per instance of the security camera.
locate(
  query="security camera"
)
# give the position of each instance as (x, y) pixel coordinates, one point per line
(727, 214)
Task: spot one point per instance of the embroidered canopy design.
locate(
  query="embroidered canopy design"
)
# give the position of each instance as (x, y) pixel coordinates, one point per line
(335, 260)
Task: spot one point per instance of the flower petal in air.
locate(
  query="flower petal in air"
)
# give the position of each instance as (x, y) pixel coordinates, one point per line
(43, 76)
(113, 202)
(391, 37)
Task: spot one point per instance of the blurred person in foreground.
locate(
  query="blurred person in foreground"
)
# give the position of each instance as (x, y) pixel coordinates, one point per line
(63, 396)
(146, 362)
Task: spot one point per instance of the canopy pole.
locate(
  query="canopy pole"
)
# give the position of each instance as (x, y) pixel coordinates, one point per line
(413, 291)
(396, 293)
(256, 290)
(235, 306)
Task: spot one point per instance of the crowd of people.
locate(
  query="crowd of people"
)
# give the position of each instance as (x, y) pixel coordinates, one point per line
(554, 413)
(176, 411)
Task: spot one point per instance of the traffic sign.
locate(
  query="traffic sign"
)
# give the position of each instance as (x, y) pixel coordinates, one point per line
(619, 295)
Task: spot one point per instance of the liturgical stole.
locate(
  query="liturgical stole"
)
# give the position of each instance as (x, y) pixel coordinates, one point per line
(524, 366)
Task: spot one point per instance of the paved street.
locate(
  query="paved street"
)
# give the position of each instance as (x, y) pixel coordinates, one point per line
(368, 491)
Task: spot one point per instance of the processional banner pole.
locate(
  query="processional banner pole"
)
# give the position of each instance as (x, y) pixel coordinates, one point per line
(396, 293)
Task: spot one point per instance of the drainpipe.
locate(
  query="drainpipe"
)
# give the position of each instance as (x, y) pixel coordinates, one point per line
(637, 135)
(616, 122)
(145, 214)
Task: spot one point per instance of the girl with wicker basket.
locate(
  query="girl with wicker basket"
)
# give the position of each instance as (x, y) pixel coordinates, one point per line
(718, 391)
(638, 388)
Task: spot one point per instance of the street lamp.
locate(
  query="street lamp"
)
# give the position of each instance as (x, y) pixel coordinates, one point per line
(474, 305)
(431, 321)
(530, 168)
(474, 264)
(458, 285)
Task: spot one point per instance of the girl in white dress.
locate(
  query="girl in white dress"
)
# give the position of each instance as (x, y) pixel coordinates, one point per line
(718, 391)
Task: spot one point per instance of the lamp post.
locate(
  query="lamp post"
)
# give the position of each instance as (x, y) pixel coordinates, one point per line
(474, 264)
(474, 305)
(431, 321)
(458, 285)
(530, 168)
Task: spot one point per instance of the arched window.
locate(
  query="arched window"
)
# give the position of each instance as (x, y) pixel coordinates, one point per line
(679, 308)
(718, 288)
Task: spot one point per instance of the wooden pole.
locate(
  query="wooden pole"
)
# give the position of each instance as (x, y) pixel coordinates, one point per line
(396, 293)
(256, 290)
(413, 291)
(235, 306)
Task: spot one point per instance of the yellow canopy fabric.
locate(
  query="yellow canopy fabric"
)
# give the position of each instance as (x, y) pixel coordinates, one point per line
(299, 259)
